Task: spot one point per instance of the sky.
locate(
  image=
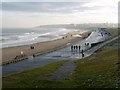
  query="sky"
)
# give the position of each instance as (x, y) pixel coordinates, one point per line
(27, 14)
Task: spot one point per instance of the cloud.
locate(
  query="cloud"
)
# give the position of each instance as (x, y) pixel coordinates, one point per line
(18, 14)
(46, 0)
(47, 7)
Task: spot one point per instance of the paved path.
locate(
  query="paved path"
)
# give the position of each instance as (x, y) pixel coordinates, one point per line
(61, 74)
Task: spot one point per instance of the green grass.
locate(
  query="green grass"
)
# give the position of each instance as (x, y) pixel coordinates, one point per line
(99, 70)
(113, 31)
(27, 79)
(113, 44)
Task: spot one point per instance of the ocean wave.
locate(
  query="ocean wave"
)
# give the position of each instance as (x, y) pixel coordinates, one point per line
(31, 37)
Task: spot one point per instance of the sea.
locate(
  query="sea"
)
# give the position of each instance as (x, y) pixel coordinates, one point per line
(11, 37)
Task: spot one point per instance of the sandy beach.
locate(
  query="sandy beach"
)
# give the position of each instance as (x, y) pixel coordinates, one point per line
(9, 54)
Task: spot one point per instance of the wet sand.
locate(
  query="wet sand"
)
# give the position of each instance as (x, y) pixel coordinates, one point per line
(9, 54)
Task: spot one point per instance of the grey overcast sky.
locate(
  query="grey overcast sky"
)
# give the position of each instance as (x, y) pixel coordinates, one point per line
(18, 13)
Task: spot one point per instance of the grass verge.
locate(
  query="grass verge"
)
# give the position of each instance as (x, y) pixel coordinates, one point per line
(28, 79)
(98, 71)
(113, 31)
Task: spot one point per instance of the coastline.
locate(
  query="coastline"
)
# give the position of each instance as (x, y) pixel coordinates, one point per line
(9, 54)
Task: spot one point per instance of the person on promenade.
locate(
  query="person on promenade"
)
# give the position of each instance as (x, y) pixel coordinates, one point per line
(72, 48)
(79, 48)
(76, 48)
(82, 51)
(87, 44)
(82, 55)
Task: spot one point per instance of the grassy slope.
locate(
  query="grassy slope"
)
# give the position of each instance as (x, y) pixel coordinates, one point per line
(27, 79)
(98, 70)
(112, 31)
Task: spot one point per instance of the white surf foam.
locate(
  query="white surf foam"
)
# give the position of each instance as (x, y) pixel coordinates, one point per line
(33, 37)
